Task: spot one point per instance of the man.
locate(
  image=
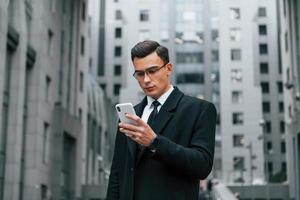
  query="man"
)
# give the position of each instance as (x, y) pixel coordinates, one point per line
(164, 158)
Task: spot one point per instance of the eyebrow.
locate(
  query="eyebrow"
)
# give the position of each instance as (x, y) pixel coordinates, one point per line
(146, 68)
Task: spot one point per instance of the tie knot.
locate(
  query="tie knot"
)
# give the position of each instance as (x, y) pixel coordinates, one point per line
(155, 104)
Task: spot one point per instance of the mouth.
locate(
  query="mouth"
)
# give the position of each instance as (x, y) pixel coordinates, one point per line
(149, 88)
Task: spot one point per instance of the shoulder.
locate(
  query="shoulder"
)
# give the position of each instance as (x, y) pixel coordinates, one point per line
(196, 103)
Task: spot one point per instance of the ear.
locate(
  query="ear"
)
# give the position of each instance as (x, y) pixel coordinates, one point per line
(169, 67)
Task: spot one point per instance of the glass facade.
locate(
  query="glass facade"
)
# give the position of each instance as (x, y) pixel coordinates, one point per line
(196, 46)
(4, 125)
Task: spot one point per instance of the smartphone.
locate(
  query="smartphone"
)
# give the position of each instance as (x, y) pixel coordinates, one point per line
(124, 108)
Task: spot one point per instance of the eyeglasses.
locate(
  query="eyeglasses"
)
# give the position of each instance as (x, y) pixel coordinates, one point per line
(138, 74)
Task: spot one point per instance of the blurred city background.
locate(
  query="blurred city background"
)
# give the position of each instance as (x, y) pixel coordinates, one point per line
(64, 64)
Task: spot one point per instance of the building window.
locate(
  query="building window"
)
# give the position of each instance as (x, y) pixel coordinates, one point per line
(118, 51)
(103, 86)
(118, 32)
(81, 81)
(118, 14)
(269, 146)
(239, 163)
(196, 78)
(290, 111)
(214, 77)
(264, 68)
(82, 45)
(90, 62)
(144, 15)
(236, 76)
(187, 57)
(117, 88)
(280, 87)
(236, 54)
(288, 75)
(48, 88)
(279, 68)
(237, 97)
(50, 43)
(238, 140)
(283, 147)
(234, 13)
(44, 192)
(263, 49)
(262, 29)
(117, 70)
(283, 166)
(237, 118)
(286, 41)
(281, 107)
(64, 6)
(282, 127)
(262, 12)
(45, 143)
(270, 169)
(265, 89)
(268, 127)
(266, 107)
(215, 55)
(235, 34)
(83, 9)
(214, 35)
(80, 114)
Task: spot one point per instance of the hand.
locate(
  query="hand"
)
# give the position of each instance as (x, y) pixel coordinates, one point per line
(141, 132)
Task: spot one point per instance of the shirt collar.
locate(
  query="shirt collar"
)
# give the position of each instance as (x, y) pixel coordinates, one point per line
(162, 98)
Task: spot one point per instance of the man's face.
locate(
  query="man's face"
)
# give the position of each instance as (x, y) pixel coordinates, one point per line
(156, 81)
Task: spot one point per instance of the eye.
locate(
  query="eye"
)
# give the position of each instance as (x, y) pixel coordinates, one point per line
(139, 73)
(152, 70)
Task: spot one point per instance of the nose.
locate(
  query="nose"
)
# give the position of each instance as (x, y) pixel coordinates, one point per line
(146, 78)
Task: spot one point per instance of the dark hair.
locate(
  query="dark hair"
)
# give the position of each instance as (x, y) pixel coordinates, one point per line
(143, 49)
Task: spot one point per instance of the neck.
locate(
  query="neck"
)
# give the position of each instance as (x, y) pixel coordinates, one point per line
(167, 88)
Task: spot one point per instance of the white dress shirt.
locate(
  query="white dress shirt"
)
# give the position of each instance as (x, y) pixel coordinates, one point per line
(149, 107)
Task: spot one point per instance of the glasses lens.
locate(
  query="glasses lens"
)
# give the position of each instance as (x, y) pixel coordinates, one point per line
(152, 70)
(139, 74)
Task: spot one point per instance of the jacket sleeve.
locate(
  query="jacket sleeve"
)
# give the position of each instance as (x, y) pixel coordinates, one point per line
(196, 160)
(113, 190)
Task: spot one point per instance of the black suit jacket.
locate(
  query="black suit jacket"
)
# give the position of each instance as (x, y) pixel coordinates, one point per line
(186, 137)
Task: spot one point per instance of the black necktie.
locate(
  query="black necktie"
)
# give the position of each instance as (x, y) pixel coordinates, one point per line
(153, 114)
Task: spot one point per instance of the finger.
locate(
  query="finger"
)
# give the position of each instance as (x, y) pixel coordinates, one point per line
(122, 130)
(132, 127)
(130, 133)
(135, 118)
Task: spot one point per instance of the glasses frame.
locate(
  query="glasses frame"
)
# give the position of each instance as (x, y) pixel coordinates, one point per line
(146, 71)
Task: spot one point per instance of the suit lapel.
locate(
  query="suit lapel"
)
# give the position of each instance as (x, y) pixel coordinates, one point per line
(165, 114)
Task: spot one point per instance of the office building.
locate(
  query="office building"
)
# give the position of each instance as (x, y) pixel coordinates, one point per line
(54, 131)
(289, 40)
(241, 97)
